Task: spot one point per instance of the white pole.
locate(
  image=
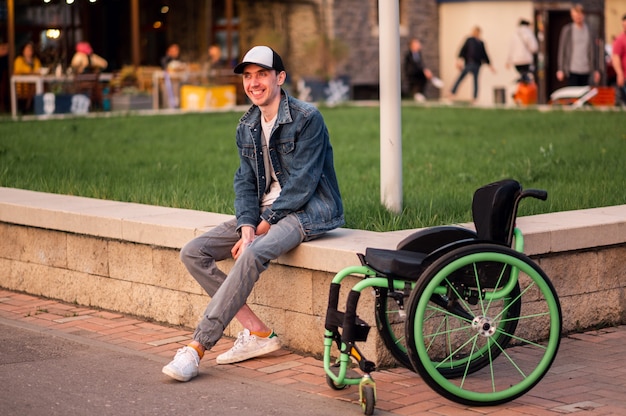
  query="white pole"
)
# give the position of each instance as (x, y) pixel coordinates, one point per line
(390, 116)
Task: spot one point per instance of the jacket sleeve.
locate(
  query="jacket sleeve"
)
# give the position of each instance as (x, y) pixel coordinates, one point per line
(593, 55)
(563, 44)
(485, 57)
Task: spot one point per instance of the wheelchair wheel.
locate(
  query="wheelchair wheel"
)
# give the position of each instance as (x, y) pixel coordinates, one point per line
(473, 305)
(391, 323)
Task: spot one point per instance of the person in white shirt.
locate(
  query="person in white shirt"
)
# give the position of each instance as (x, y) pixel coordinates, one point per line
(522, 49)
(85, 60)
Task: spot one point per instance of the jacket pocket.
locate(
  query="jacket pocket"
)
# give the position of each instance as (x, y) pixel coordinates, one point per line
(286, 147)
(247, 152)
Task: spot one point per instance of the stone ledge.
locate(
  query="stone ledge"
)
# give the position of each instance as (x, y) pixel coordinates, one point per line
(124, 257)
(172, 227)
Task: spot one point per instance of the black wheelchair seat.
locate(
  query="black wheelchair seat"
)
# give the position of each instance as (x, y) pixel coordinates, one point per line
(401, 263)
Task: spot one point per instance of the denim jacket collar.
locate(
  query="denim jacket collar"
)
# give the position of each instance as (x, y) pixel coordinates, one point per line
(253, 115)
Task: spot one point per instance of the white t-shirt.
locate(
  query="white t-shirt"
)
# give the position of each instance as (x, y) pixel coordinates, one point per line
(272, 191)
(580, 44)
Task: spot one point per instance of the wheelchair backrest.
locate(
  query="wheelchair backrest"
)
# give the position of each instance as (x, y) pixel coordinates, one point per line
(494, 210)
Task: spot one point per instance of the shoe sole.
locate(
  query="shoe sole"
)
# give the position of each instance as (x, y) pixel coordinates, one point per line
(176, 376)
(263, 351)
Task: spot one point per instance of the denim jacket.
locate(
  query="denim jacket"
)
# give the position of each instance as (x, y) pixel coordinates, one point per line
(302, 157)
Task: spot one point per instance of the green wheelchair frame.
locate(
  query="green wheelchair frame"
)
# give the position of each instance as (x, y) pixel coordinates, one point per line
(449, 301)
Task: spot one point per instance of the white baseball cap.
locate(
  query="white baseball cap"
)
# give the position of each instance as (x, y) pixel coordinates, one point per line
(263, 56)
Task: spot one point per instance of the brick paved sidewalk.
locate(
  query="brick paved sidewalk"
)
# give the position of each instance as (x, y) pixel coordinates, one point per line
(587, 377)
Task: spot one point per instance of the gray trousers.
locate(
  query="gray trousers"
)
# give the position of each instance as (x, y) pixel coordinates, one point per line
(230, 292)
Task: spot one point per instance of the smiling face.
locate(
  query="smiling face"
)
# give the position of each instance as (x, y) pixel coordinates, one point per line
(262, 85)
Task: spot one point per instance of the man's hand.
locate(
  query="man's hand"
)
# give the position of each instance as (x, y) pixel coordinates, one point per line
(560, 75)
(263, 227)
(248, 235)
(596, 77)
(619, 71)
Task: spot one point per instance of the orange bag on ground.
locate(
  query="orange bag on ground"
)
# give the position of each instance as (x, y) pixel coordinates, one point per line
(526, 93)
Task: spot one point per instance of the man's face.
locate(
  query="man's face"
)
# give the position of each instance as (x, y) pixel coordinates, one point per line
(624, 25)
(577, 17)
(215, 53)
(262, 85)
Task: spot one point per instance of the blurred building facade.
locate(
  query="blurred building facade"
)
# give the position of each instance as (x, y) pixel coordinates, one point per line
(317, 38)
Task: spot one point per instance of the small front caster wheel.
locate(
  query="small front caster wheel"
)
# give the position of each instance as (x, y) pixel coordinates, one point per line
(368, 399)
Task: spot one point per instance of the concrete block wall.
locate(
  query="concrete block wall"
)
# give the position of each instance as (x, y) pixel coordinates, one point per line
(124, 257)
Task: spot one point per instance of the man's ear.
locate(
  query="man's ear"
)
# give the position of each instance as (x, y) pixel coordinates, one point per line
(282, 76)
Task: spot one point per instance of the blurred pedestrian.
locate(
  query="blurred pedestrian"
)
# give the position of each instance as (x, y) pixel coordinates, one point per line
(4, 76)
(619, 61)
(471, 56)
(214, 64)
(86, 61)
(415, 72)
(171, 60)
(522, 49)
(172, 68)
(577, 58)
(26, 63)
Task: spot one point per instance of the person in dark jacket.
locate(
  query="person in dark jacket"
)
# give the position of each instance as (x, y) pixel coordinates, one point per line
(471, 56)
(415, 73)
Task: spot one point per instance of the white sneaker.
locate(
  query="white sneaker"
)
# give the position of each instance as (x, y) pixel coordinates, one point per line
(249, 346)
(438, 83)
(184, 366)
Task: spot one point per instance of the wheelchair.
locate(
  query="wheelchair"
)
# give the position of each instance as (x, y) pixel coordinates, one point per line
(448, 302)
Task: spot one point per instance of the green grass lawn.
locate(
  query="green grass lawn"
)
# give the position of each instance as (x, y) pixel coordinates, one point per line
(188, 160)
